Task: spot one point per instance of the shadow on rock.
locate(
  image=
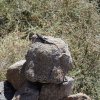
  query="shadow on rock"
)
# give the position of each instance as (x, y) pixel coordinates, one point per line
(6, 91)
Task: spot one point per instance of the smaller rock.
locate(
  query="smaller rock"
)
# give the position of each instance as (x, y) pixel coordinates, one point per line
(56, 91)
(15, 75)
(78, 96)
(29, 91)
(6, 91)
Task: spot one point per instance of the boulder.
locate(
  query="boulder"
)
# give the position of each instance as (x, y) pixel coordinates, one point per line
(48, 62)
(29, 91)
(6, 91)
(14, 74)
(56, 91)
(78, 96)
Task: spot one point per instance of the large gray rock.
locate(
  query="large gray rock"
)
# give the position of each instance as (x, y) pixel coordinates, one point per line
(6, 91)
(14, 74)
(48, 63)
(28, 92)
(56, 91)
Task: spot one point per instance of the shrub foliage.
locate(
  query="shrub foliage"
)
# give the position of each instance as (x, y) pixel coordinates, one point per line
(75, 21)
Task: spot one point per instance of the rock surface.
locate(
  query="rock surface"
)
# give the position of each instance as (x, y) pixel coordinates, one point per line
(28, 92)
(6, 91)
(56, 91)
(48, 63)
(14, 74)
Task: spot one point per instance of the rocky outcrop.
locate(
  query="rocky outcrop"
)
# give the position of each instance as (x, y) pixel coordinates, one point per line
(56, 91)
(48, 63)
(29, 91)
(42, 76)
(14, 74)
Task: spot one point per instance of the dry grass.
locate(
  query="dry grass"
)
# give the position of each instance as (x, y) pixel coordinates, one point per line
(75, 21)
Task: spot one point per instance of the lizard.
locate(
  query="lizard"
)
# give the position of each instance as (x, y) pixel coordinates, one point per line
(44, 40)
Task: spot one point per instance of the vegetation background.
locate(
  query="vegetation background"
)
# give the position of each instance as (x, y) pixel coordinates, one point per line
(75, 21)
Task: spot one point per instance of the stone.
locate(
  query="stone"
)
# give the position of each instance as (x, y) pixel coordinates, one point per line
(29, 91)
(6, 91)
(14, 74)
(56, 91)
(48, 63)
(78, 96)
